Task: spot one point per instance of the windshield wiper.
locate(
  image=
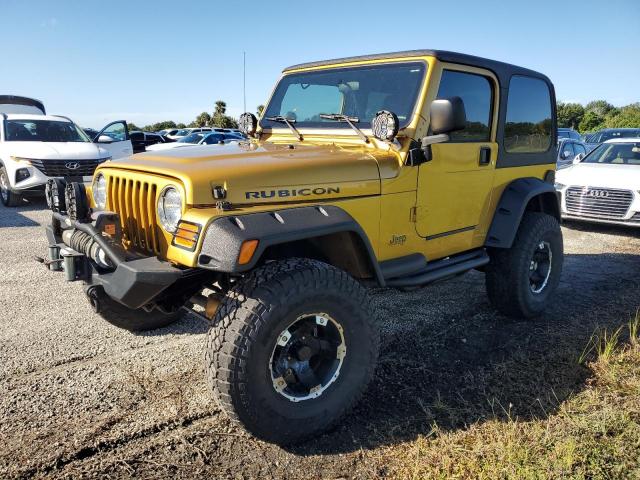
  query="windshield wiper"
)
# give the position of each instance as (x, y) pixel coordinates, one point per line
(338, 117)
(288, 121)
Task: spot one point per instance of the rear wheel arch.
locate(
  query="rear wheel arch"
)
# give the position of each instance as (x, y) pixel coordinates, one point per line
(520, 196)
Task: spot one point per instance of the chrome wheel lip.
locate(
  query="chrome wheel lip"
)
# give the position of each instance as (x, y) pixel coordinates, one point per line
(542, 246)
(280, 385)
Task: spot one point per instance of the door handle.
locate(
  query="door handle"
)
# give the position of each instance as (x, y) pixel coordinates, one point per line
(485, 156)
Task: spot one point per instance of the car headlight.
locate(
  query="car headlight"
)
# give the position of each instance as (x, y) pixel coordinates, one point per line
(22, 161)
(559, 186)
(99, 191)
(169, 208)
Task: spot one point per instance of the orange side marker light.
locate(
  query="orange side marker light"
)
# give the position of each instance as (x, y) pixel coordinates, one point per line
(247, 250)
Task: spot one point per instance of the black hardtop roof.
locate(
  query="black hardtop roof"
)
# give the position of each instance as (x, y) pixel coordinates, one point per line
(501, 69)
(20, 100)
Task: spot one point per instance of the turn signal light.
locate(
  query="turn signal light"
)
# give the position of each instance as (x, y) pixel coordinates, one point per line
(247, 250)
(186, 235)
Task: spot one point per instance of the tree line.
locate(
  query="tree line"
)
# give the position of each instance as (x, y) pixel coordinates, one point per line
(597, 115)
(593, 116)
(218, 118)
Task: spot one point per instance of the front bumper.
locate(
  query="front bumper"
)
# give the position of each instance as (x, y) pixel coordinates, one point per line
(634, 221)
(629, 217)
(133, 281)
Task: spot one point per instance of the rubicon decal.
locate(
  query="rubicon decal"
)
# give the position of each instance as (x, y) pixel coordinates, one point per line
(300, 192)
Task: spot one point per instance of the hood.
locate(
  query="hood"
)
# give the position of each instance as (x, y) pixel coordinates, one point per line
(601, 175)
(56, 150)
(265, 173)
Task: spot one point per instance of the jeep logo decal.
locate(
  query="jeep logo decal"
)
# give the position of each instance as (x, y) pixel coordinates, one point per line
(304, 192)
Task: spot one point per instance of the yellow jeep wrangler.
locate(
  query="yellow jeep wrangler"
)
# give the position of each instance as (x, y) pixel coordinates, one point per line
(392, 170)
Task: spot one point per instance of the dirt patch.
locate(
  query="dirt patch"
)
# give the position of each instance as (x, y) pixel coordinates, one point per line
(79, 397)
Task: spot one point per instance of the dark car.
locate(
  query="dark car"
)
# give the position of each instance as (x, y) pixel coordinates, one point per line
(92, 133)
(141, 140)
(568, 149)
(569, 133)
(592, 140)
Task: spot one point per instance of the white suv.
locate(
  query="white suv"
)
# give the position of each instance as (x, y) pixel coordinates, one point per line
(35, 147)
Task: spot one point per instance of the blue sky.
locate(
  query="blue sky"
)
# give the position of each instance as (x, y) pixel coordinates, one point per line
(151, 61)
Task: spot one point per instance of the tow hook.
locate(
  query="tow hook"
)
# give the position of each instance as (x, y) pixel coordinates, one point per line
(54, 265)
(94, 298)
(64, 259)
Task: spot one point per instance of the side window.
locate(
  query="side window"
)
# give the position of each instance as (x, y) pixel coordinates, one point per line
(528, 125)
(213, 139)
(579, 148)
(575, 135)
(567, 151)
(116, 132)
(476, 93)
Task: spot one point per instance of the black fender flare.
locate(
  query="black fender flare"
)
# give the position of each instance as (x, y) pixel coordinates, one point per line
(224, 236)
(511, 207)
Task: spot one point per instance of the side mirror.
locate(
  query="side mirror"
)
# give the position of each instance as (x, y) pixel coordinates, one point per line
(566, 154)
(447, 115)
(578, 158)
(104, 139)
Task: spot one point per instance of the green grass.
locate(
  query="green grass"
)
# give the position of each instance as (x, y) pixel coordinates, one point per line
(594, 434)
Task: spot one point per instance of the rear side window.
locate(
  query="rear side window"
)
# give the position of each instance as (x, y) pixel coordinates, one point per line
(476, 93)
(528, 125)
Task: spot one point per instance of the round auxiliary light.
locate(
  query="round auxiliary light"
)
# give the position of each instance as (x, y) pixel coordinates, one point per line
(385, 125)
(248, 124)
(99, 191)
(170, 208)
(54, 193)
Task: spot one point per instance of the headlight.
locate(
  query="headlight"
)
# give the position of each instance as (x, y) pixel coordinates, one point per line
(99, 191)
(169, 208)
(559, 186)
(22, 161)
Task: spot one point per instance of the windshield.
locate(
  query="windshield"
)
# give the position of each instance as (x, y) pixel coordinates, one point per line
(43, 131)
(182, 133)
(615, 154)
(358, 92)
(193, 138)
(600, 137)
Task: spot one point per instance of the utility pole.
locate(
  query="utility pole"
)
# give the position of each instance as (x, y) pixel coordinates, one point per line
(244, 81)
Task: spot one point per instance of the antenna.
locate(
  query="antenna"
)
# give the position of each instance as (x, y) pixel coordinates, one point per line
(244, 80)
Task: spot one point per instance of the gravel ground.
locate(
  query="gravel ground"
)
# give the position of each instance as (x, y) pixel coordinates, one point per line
(79, 397)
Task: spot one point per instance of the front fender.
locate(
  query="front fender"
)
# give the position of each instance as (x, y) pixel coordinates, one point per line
(224, 236)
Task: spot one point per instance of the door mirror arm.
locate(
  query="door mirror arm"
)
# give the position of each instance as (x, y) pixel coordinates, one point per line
(432, 140)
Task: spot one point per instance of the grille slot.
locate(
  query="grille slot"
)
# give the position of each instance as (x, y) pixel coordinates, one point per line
(135, 203)
(606, 203)
(58, 168)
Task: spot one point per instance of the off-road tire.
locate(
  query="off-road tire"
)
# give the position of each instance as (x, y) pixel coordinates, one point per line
(507, 274)
(134, 320)
(8, 197)
(244, 332)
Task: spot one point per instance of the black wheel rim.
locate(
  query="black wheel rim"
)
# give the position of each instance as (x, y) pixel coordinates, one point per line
(540, 267)
(307, 357)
